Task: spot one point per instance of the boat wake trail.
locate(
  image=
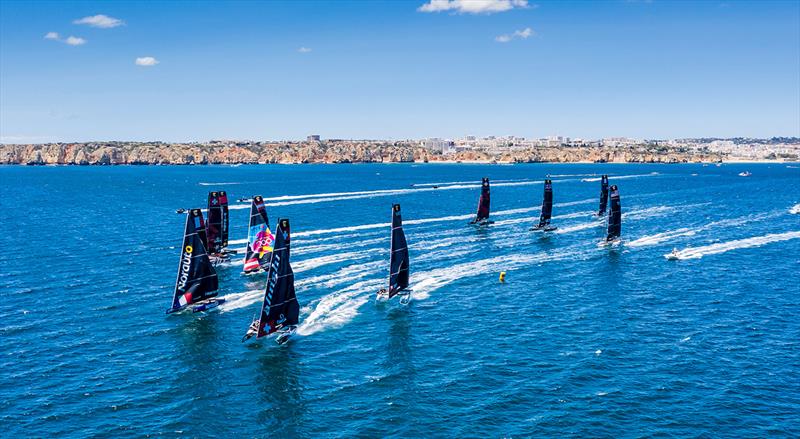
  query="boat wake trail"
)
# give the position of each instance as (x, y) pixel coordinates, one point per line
(308, 264)
(722, 247)
(289, 200)
(337, 309)
(463, 217)
(685, 231)
(661, 237)
(218, 184)
(634, 214)
(621, 177)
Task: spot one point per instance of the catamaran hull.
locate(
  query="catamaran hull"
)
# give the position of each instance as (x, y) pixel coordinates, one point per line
(481, 223)
(383, 296)
(208, 305)
(616, 242)
(283, 336)
(543, 229)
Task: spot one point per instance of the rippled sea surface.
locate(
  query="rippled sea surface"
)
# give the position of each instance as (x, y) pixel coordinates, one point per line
(581, 340)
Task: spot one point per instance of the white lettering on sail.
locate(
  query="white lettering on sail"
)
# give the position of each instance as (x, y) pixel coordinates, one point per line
(186, 264)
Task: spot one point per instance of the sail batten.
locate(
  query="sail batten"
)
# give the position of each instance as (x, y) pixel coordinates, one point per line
(196, 280)
(260, 239)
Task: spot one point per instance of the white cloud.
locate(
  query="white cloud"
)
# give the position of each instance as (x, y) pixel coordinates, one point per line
(146, 61)
(472, 6)
(304, 50)
(75, 41)
(100, 20)
(517, 35)
(72, 41)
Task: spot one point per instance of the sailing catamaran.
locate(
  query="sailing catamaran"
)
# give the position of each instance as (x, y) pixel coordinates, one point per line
(482, 217)
(197, 281)
(603, 196)
(259, 238)
(280, 311)
(614, 217)
(398, 261)
(217, 227)
(547, 209)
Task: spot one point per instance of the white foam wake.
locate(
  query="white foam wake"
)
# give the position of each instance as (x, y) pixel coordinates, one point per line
(621, 177)
(722, 247)
(308, 264)
(432, 220)
(337, 309)
(795, 209)
(217, 184)
(661, 237)
(288, 200)
(685, 231)
(447, 183)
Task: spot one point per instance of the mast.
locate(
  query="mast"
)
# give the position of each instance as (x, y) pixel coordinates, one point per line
(614, 216)
(398, 259)
(547, 204)
(279, 308)
(197, 279)
(603, 195)
(259, 238)
(483, 202)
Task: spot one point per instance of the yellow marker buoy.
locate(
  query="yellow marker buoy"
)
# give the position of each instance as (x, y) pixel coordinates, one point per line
(502, 277)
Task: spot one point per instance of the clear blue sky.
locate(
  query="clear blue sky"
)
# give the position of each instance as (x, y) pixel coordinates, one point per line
(652, 69)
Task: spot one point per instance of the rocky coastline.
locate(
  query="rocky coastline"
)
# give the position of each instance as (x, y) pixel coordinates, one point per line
(158, 153)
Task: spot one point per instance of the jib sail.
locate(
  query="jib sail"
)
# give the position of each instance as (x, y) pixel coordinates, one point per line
(483, 201)
(398, 260)
(197, 279)
(614, 215)
(259, 237)
(217, 226)
(547, 204)
(603, 195)
(280, 308)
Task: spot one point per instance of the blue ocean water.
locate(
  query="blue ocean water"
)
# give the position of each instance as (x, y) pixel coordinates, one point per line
(581, 340)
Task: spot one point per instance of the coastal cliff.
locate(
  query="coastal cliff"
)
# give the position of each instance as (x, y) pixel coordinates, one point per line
(345, 151)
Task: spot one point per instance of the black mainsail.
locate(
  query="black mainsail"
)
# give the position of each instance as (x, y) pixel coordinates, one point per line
(603, 195)
(614, 216)
(398, 258)
(259, 238)
(217, 225)
(197, 280)
(547, 208)
(482, 217)
(279, 309)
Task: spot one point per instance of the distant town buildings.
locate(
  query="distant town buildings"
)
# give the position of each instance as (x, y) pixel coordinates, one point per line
(313, 138)
(437, 144)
